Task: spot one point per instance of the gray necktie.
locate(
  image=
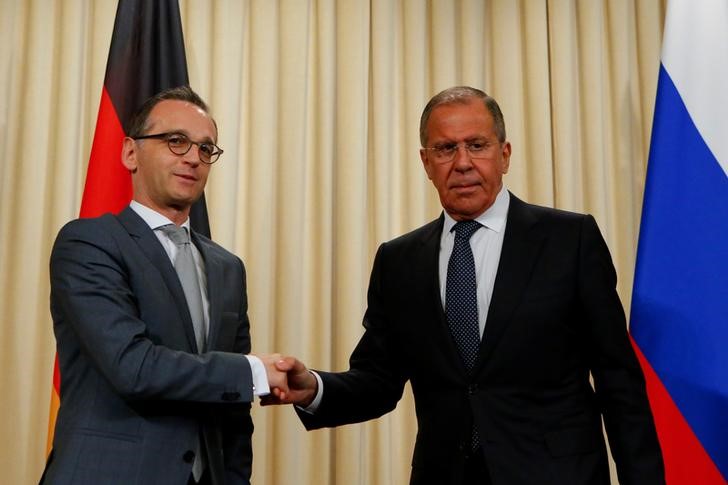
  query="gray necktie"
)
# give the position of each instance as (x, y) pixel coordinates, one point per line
(184, 264)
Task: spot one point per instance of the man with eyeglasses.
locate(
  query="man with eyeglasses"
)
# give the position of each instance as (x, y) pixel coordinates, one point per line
(151, 324)
(497, 313)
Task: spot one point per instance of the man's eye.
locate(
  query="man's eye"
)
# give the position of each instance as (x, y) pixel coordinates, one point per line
(477, 146)
(177, 140)
(447, 149)
(207, 149)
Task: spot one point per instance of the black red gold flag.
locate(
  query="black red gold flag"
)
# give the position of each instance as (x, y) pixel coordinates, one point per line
(147, 55)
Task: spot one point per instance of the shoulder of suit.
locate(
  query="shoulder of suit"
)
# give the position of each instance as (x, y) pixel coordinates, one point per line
(91, 225)
(420, 235)
(544, 212)
(91, 231)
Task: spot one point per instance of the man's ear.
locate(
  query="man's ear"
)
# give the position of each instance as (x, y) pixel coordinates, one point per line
(129, 154)
(506, 156)
(426, 163)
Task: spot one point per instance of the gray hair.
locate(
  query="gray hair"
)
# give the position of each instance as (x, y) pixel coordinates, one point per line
(463, 95)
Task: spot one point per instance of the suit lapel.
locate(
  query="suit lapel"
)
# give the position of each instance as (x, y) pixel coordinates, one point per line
(151, 247)
(521, 247)
(214, 274)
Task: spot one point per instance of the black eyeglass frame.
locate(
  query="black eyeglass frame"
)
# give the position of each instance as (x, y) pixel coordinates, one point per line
(214, 155)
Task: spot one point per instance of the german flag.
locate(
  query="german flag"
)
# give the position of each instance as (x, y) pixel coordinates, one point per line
(147, 55)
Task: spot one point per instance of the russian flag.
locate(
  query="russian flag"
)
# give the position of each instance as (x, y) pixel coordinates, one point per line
(679, 319)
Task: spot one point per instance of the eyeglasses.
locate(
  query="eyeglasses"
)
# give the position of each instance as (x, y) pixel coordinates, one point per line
(445, 153)
(180, 144)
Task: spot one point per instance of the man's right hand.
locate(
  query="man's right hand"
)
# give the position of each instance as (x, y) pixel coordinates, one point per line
(301, 385)
(277, 379)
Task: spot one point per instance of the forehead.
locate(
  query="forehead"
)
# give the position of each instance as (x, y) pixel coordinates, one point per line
(460, 120)
(182, 116)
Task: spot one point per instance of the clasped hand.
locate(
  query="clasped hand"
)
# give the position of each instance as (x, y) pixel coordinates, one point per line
(289, 380)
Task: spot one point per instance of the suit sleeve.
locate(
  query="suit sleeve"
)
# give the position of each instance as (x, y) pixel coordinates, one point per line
(375, 380)
(95, 302)
(618, 379)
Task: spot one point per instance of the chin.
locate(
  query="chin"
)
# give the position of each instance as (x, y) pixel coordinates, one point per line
(188, 197)
(466, 211)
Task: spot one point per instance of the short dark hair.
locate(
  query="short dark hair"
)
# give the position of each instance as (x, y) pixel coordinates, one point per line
(463, 95)
(139, 122)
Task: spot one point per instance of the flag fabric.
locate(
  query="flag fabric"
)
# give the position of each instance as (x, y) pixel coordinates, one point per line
(679, 318)
(147, 55)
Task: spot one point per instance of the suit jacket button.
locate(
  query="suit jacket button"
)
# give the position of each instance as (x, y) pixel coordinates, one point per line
(230, 396)
(189, 456)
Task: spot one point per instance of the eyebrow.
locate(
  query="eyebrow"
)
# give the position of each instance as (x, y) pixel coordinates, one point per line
(187, 134)
(466, 140)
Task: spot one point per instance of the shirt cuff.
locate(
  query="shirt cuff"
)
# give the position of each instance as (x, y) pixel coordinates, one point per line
(260, 376)
(311, 408)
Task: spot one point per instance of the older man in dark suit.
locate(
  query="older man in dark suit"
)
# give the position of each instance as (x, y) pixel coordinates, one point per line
(151, 324)
(497, 313)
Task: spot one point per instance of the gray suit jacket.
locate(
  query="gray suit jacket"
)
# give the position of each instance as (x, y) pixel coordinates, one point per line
(135, 394)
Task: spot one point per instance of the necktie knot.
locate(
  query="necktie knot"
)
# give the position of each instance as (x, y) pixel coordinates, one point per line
(465, 229)
(177, 234)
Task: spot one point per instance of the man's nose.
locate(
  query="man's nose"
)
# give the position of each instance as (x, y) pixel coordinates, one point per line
(193, 155)
(463, 159)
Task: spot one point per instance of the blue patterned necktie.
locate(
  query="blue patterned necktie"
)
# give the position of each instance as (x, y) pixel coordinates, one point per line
(461, 296)
(461, 301)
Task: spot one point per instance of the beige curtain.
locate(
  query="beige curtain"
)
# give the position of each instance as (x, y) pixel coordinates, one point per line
(318, 104)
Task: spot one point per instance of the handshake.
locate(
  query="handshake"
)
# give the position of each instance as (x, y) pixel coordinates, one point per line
(289, 380)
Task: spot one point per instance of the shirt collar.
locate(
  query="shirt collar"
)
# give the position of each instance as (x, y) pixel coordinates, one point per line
(494, 217)
(154, 219)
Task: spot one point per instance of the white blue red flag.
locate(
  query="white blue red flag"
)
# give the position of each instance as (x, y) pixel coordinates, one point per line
(679, 319)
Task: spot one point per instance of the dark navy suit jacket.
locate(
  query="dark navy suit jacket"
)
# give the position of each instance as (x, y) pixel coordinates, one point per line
(554, 319)
(135, 394)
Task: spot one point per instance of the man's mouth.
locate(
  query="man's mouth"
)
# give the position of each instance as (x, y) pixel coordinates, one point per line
(463, 185)
(187, 177)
